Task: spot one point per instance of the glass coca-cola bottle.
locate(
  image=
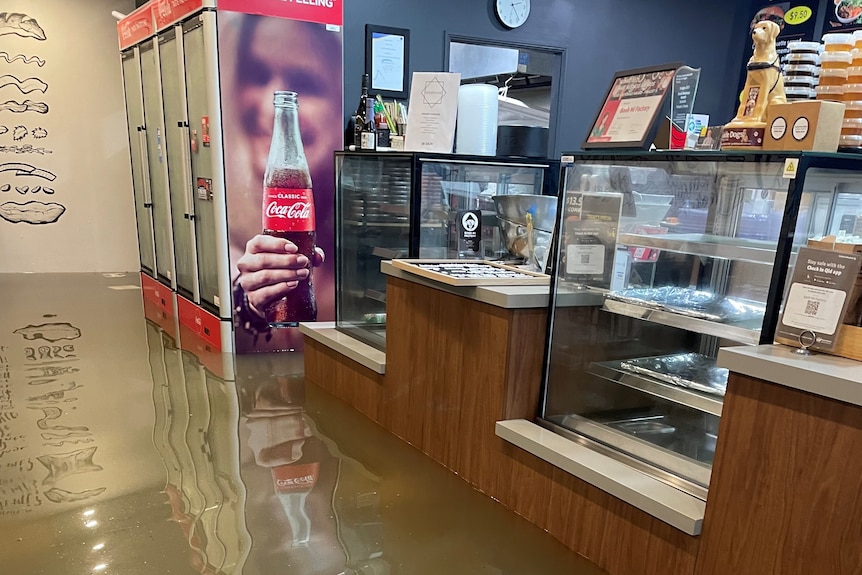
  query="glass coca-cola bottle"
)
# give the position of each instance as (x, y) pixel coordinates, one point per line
(288, 208)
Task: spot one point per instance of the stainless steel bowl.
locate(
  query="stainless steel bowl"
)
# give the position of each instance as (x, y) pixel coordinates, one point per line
(514, 208)
(512, 219)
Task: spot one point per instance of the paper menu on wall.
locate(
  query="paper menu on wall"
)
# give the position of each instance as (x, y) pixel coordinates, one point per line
(819, 292)
(432, 112)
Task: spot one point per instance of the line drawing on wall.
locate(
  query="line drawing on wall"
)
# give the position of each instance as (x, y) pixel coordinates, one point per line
(3, 130)
(22, 189)
(24, 86)
(69, 441)
(49, 332)
(26, 59)
(51, 371)
(25, 106)
(33, 213)
(62, 496)
(25, 149)
(39, 133)
(65, 464)
(56, 394)
(22, 169)
(21, 25)
(19, 133)
(6, 187)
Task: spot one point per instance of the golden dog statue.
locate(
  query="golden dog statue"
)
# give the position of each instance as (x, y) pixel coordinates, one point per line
(764, 86)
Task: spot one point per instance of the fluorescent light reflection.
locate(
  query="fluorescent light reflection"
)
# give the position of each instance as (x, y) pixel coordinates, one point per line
(98, 547)
(100, 567)
(89, 512)
(91, 523)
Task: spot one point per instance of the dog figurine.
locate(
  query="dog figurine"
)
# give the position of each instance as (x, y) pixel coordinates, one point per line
(764, 84)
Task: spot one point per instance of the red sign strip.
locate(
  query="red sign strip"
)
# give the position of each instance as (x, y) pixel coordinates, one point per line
(319, 11)
(167, 12)
(135, 27)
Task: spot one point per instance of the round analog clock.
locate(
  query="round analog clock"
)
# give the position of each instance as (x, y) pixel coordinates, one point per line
(512, 13)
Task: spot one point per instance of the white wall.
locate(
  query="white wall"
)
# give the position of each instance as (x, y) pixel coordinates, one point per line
(86, 133)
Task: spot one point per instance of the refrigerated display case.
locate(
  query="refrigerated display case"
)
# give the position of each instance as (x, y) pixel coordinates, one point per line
(170, 77)
(697, 260)
(399, 205)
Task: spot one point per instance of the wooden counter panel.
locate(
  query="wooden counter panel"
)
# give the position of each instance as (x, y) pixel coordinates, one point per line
(786, 492)
(451, 391)
(343, 378)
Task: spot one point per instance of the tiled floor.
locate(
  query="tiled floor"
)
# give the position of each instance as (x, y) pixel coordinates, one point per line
(121, 453)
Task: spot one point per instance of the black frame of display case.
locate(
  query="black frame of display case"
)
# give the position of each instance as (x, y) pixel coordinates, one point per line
(550, 187)
(778, 277)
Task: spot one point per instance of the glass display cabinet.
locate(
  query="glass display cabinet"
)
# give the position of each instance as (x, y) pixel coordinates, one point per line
(690, 252)
(398, 205)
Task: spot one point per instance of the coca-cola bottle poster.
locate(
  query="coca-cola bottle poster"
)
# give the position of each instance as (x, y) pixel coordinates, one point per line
(281, 84)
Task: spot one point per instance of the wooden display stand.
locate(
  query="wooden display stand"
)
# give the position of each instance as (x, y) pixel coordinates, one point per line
(811, 126)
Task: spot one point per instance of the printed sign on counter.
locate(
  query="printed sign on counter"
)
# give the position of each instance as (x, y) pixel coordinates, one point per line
(817, 300)
(432, 113)
(591, 222)
(632, 106)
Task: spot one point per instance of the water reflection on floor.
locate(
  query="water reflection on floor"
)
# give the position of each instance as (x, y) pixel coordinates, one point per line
(120, 452)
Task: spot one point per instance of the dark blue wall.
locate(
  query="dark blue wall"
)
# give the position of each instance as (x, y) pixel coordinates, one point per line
(600, 37)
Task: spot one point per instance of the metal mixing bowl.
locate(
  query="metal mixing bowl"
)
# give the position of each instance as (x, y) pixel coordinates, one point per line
(512, 218)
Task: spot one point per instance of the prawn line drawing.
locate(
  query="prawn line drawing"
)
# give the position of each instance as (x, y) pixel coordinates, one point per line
(25, 59)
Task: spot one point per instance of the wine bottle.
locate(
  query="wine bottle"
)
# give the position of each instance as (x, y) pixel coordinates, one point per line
(361, 117)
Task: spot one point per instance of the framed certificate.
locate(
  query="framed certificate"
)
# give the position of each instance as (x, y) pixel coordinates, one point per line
(387, 57)
(628, 117)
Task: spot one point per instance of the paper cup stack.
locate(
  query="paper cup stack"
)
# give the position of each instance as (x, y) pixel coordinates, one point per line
(477, 120)
(802, 70)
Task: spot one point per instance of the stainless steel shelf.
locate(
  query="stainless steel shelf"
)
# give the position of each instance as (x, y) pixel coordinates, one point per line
(389, 253)
(680, 395)
(663, 458)
(375, 295)
(756, 251)
(741, 333)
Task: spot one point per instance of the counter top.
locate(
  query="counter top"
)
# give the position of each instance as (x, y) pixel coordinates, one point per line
(325, 332)
(507, 297)
(620, 480)
(824, 375)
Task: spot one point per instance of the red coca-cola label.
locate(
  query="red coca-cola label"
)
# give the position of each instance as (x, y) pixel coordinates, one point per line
(289, 478)
(288, 210)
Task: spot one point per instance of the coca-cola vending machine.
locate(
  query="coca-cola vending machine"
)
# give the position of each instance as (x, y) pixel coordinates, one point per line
(234, 110)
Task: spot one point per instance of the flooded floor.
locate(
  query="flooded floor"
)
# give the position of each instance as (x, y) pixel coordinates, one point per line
(122, 453)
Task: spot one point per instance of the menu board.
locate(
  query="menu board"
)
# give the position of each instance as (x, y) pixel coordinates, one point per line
(843, 16)
(634, 101)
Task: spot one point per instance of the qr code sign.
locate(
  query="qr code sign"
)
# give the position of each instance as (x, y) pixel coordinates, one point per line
(585, 259)
(812, 307)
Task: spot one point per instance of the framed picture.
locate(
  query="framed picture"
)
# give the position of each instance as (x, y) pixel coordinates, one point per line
(628, 117)
(387, 57)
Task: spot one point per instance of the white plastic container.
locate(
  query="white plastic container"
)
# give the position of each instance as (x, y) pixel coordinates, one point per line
(477, 120)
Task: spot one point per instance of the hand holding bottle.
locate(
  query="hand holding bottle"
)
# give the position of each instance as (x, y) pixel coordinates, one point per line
(271, 268)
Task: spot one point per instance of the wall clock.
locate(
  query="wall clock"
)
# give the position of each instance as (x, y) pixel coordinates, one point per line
(512, 13)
